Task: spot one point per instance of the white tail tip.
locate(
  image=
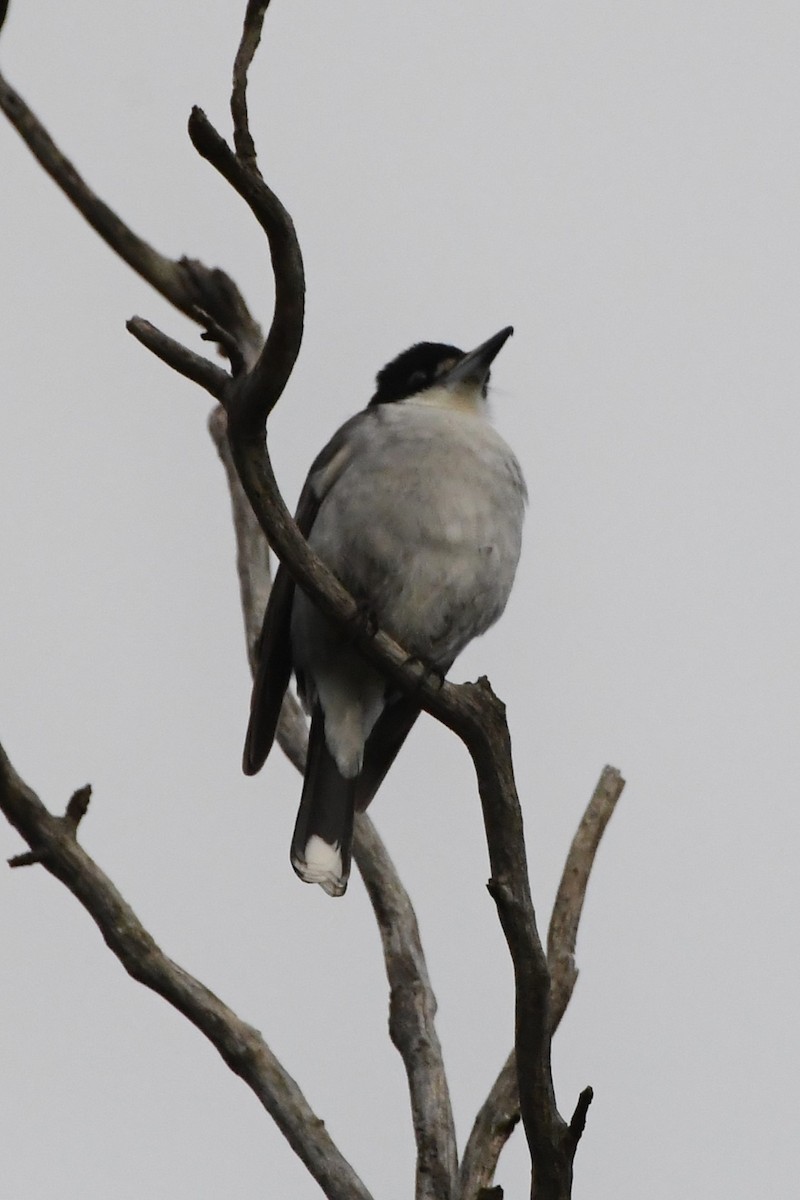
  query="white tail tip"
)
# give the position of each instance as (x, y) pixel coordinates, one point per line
(323, 865)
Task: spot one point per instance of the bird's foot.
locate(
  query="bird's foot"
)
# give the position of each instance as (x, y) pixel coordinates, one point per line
(426, 672)
(364, 623)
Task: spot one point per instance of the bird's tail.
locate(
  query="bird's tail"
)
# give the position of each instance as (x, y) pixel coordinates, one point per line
(323, 832)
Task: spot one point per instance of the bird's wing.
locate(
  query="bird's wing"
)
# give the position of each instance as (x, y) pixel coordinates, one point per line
(274, 667)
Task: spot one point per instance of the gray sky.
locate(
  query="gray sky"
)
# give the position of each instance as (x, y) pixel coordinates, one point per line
(620, 182)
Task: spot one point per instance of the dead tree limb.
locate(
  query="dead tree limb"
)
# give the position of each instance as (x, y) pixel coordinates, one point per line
(54, 844)
(562, 935)
(500, 1112)
(190, 286)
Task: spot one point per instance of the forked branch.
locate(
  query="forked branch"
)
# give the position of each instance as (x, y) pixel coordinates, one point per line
(500, 1112)
(211, 299)
(248, 394)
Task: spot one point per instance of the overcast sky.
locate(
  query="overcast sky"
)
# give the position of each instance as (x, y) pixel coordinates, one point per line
(618, 180)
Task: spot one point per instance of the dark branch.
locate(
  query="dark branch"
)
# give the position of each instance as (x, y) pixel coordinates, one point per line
(227, 342)
(260, 391)
(179, 357)
(499, 1113)
(578, 1122)
(251, 36)
(185, 283)
(78, 808)
(147, 262)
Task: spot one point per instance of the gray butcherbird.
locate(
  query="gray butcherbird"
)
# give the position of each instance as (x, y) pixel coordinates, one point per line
(416, 504)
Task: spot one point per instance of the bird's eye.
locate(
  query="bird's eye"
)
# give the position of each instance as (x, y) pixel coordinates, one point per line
(417, 379)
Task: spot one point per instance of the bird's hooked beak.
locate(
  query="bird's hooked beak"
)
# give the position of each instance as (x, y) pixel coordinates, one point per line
(474, 366)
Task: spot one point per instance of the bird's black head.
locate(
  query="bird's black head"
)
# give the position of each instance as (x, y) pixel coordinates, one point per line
(413, 371)
(429, 363)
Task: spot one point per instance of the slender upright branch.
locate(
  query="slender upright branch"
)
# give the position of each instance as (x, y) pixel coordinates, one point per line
(510, 888)
(499, 1114)
(251, 36)
(563, 932)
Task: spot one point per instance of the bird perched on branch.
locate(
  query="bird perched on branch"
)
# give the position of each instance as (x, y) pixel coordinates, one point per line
(416, 504)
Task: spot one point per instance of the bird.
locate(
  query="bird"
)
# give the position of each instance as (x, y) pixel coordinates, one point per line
(416, 504)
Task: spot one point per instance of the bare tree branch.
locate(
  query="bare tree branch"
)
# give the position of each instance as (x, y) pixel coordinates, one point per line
(563, 933)
(251, 36)
(179, 357)
(53, 841)
(578, 1121)
(162, 272)
(257, 394)
(499, 1113)
(186, 283)
(412, 1009)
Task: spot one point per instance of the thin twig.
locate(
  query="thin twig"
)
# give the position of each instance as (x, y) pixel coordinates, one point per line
(251, 36)
(77, 808)
(563, 932)
(227, 341)
(578, 1122)
(261, 389)
(183, 360)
